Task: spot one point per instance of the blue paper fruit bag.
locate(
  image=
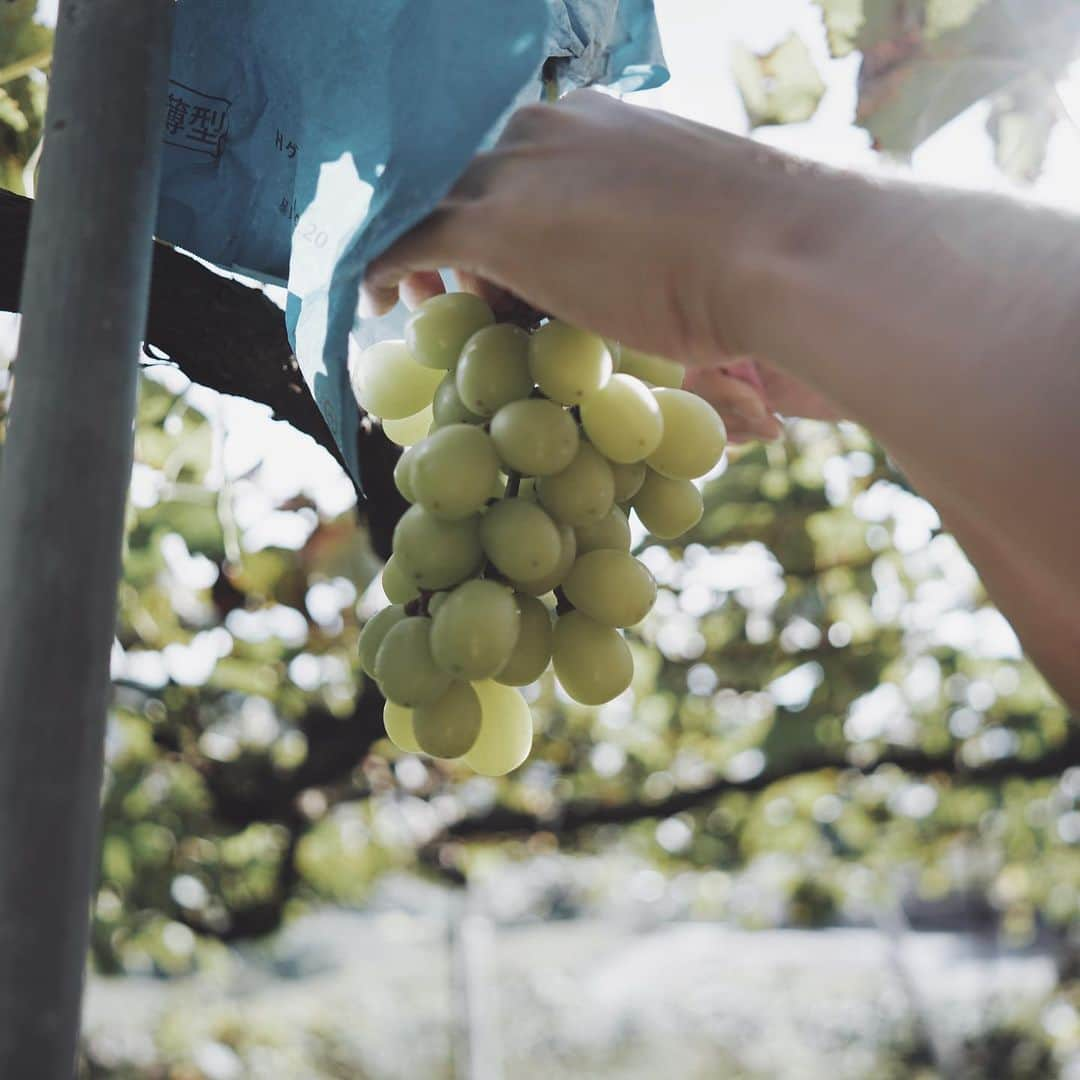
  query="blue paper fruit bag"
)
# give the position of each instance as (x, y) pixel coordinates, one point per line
(302, 139)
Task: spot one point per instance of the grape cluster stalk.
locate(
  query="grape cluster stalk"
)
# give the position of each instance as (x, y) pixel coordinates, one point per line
(524, 454)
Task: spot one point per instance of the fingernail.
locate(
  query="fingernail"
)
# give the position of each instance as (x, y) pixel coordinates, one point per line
(770, 428)
(373, 302)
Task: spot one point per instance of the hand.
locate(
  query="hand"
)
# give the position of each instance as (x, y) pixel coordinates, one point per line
(557, 218)
(611, 216)
(726, 385)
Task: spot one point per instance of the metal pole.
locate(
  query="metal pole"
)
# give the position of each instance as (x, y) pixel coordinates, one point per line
(477, 1054)
(63, 480)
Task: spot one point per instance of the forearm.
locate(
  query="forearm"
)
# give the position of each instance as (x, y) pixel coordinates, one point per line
(947, 323)
(1029, 597)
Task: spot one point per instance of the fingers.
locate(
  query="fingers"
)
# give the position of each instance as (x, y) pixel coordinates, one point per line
(421, 285)
(416, 288)
(506, 306)
(499, 300)
(740, 405)
(441, 239)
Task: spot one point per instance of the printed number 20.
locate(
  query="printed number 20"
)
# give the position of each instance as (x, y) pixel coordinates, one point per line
(314, 235)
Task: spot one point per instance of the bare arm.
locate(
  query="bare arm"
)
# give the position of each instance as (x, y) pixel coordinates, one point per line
(947, 322)
(1029, 597)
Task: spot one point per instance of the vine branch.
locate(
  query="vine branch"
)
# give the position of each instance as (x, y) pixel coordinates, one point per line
(502, 821)
(231, 338)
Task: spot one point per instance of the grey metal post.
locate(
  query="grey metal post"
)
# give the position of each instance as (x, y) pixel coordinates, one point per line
(63, 479)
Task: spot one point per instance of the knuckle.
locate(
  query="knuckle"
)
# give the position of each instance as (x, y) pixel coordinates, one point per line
(528, 122)
(476, 181)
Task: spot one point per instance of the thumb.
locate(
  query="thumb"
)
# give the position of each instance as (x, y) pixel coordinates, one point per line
(443, 238)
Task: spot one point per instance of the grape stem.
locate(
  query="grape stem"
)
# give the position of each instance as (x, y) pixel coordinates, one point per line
(513, 486)
(418, 605)
(563, 606)
(550, 79)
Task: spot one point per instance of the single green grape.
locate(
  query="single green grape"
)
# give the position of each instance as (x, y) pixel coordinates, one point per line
(506, 730)
(437, 330)
(592, 661)
(668, 508)
(538, 586)
(535, 437)
(494, 369)
(397, 582)
(388, 382)
(438, 553)
(411, 430)
(403, 473)
(398, 722)
(568, 363)
(622, 419)
(474, 634)
(448, 726)
(582, 493)
(454, 470)
(520, 539)
(655, 370)
(628, 478)
(532, 650)
(611, 587)
(694, 436)
(611, 532)
(448, 408)
(375, 629)
(404, 667)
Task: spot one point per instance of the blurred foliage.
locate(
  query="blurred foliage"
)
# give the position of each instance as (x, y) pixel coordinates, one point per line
(782, 86)
(25, 50)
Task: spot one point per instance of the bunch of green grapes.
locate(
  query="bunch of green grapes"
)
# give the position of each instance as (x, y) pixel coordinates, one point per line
(524, 454)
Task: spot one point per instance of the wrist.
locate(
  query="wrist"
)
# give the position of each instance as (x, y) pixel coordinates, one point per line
(783, 256)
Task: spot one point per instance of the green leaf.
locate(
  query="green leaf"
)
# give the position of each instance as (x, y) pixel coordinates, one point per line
(21, 68)
(24, 46)
(244, 677)
(196, 521)
(921, 69)
(945, 15)
(20, 36)
(843, 21)
(11, 115)
(779, 87)
(1020, 124)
